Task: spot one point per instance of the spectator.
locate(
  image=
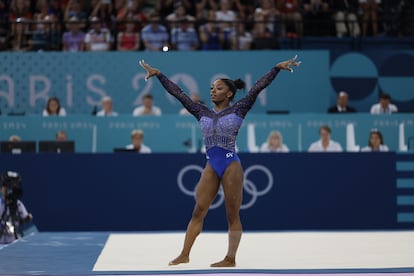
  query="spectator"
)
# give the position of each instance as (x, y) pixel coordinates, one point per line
(61, 136)
(73, 9)
(211, 36)
(147, 107)
(274, 143)
(137, 138)
(384, 106)
(369, 10)
(154, 35)
(107, 108)
(316, 18)
(74, 39)
(264, 26)
(341, 104)
(184, 38)
(241, 38)
(98, 38)
(103, 11)
(128, 40)
(15, 138)
(19, 9)
(345, 16)
(325, 144)
(290, 17)
(45, 37)
(174, 19)
(53, 108)
(42, 11)
(226, 18)
(19, 39)
(130, 10)
(168, 7)
(195, 97)
(204, 7)
(375, 142)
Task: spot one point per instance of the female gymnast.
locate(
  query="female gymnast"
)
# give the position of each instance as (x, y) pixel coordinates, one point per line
(219, 127)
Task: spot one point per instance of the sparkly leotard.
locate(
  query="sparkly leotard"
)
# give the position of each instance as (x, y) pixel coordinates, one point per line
(220, 129)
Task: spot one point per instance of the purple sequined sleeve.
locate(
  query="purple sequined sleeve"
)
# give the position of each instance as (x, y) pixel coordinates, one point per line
(172, 88)
(246, 103)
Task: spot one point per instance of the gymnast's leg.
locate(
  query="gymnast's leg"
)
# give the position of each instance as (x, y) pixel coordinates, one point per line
(207, 189)
(232, 182)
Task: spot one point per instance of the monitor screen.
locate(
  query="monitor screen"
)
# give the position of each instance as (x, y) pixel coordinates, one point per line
(124, 150)
(17, 147)
(56, 146)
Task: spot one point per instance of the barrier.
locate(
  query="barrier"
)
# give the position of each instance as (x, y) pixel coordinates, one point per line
(174, 133)
(295, 191)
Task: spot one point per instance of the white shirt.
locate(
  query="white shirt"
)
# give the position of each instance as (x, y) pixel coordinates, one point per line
(381, 148)
(102, 114)
(62, 112)
(332, 147)
(140, 111)
(265, 148)
(98, 41)
(377, 109)
(143, 148)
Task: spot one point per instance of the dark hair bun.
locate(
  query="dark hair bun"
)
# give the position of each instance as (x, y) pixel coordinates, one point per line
(240, 84)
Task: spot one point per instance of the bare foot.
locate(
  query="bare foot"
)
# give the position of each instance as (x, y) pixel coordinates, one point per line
(227, 262)
(180, 260)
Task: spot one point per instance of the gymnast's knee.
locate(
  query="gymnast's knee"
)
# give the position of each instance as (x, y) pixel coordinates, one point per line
(199, 211)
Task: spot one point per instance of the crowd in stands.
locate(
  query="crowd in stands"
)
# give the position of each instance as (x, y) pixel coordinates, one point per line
(130, 25)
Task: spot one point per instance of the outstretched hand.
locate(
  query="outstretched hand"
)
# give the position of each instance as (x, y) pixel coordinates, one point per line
(285, 65)
(150, 71)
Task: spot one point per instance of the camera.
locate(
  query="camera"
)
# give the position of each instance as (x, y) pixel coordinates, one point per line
(11, 183)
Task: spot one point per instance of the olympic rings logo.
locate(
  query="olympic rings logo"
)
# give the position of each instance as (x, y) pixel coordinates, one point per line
(249, 186)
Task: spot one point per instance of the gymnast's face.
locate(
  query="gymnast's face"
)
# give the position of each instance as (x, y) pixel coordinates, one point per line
(220, 92)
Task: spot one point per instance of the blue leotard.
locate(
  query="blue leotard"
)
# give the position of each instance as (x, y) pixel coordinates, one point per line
(220, 129)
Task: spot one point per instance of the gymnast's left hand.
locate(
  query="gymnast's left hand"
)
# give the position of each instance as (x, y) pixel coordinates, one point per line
(286, 65)
(150, 71)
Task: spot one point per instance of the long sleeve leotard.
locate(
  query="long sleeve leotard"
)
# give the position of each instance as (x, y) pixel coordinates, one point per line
(219, 129)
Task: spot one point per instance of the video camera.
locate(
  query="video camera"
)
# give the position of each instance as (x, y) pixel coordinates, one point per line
(12, 182)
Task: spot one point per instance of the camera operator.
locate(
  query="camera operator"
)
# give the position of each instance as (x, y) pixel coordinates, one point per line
(13, 213)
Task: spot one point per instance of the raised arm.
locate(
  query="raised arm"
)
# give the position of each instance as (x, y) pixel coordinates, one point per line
(245, 104)
(193, 107)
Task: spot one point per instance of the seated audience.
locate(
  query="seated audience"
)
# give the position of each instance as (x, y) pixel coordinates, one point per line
(147, 107)
(61, 136)
(274, 143)
(375, 142)
(184, 37)
(384, 106)
(137, 138)
(341, 104)
(98, 38)
(74, 38)
(53, 108)
(154, 35)
(325, 143)
(128, 40)
(107, 108)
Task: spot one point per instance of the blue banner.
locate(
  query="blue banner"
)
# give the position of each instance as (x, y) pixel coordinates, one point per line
(80, 80)
(130, 192)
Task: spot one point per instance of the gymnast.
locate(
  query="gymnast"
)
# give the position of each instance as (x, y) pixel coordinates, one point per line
(219, 127)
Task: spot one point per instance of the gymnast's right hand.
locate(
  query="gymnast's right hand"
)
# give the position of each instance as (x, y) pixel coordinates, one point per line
(150, 71)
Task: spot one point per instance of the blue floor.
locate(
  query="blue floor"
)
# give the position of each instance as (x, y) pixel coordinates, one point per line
(52, 254)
